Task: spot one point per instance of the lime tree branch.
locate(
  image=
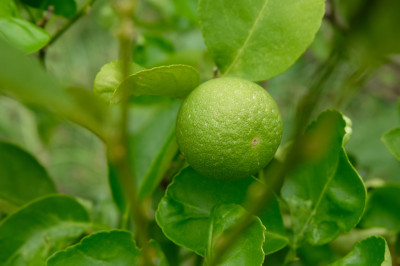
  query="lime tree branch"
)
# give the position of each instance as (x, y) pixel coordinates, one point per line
(80, 13)
(120, 155)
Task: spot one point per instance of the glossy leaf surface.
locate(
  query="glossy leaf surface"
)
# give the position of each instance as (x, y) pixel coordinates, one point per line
(66, 8)
(248, 248)
(258, 39)
(188, 204)
(22, 34)
(34, 232)
(22, 178)
(383, 208)
(172, 81)
(103, 248)
(324, 185)
(372, 251)
(392, 141)
(109, 78)
(39, 89)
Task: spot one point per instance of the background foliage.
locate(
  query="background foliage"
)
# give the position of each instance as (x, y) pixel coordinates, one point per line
(338, 204)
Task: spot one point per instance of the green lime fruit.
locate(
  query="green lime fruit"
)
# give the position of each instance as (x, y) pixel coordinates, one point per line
(228, 128)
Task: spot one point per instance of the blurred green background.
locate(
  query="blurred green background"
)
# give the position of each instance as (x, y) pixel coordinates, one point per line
(167, 33)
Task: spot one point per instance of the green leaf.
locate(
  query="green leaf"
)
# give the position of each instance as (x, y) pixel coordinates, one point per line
(8, 9)
(114, 247)
(324, 185)
(188, 204)
(372, 251)
(392, 141)
(22, 34)
(22, 178)
(258, 39)
(66, 8)
(248, 248)
(152, 139)
(172, 81)
(109, 78)
(383, 208)
(39, 89)
(34, 232)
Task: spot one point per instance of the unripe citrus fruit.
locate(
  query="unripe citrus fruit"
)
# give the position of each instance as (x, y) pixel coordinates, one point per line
(228, 128)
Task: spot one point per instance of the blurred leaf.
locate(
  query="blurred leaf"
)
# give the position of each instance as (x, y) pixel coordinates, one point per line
(152, 139)
(109, 78)
(172, 81)
(188, 204)
(383, 208)
(371, 25)
(34, 232)
(114, 247)
(8, 9)
(258, 39)
(66, 8)
(372, 251)
(324, 185)
(38, 88)
(392, 141)
(161, 259)
(22, 178)
(22, 34)
(248, 248)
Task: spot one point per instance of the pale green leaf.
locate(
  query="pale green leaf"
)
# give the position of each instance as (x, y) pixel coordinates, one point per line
(372, 251)
(22, 34)
(35, 231)
(172, 81)
(248, 247)
(152, 139)
(392, 141)
(38, 88)
(109, 78)
(258, 39)
(22, 178)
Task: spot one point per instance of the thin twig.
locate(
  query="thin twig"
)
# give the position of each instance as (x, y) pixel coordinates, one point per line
(80, 13)
(123, 162)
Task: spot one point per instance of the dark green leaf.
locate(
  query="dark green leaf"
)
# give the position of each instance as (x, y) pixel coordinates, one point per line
(189, 201)
(22, 34)
(372, 251)
(152, 139)
(66, 8)
(103, 248)
(383, 208)
(39, 89)
(324, 185)
(258, 39)
(248, 248)
(109, 78)
(172, 81)
(34, 232)
(392, 141)
(22, 178)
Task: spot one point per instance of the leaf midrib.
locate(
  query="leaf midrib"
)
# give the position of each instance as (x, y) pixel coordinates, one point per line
(249, 36)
